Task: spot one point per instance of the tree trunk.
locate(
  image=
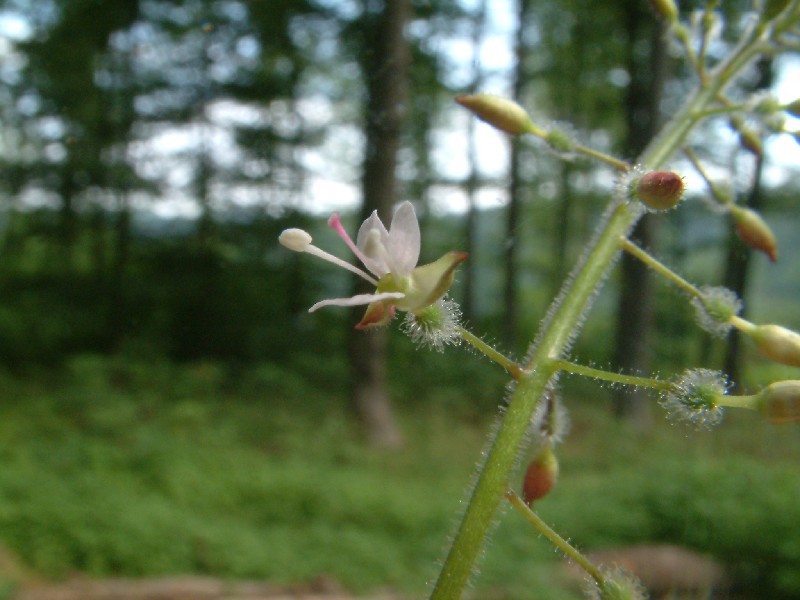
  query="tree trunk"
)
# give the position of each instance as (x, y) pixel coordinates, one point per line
(636, 302)
(510, 301)
(738, 257)
(385, 72)
(473, 179)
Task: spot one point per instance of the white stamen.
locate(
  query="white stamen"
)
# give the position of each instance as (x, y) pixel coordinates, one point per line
(295, 239)
(311, 249)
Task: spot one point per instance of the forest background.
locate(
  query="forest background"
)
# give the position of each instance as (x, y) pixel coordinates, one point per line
(169, 406)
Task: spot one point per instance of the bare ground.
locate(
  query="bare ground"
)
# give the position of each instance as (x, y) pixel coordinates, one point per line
(185, 588)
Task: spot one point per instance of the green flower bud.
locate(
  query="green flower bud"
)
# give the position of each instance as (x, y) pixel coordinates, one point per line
(772, 8)
(748, 137)
(560, 141)
(666, 9)
(780, 401)
(777, 343)
(659, 190)
(793, 108)
(499, 112)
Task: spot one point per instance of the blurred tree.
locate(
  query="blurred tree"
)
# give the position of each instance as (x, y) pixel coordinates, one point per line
(474, 176)
(385, 56)
(738, 257)
(515, 191)
(72, 90)
(646, 67)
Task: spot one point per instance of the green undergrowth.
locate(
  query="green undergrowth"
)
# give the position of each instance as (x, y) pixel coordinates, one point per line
(117, 468)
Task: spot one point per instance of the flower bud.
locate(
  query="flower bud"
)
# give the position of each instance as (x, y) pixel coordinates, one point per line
(754, 231)
(560, 141)
(780, 401)
(541, 476)
(619, 584)
(499, 112)
(793, 108)
(295, 239)
(777, 343)
(660, 190)
(772, 8)
(666, 9)
(748, 137)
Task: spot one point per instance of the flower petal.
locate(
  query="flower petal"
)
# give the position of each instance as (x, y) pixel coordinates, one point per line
(378, 314)
(357, 300)
(371, 240)
(404, 241)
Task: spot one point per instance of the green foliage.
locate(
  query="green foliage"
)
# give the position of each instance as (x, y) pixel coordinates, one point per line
(125, 468)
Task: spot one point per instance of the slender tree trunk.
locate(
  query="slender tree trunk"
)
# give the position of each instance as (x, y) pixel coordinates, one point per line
(636, 302)
(738, 256)
(473, 179)
(386, 74)
(510, 300)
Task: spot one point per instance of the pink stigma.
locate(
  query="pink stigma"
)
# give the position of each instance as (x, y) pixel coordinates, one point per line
(335, 222)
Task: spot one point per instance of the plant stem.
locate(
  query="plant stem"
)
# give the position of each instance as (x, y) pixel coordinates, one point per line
(748, 402)
(619, 165)
(563, 324)
(508, 364)
(559, 542)
(576, 369)
(660, 268)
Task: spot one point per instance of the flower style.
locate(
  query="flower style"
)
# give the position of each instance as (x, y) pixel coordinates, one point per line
(391, 256)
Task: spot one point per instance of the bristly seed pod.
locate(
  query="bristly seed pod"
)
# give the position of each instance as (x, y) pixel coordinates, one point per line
(754, 231)
(777, 343)
(499, 112)
(780, 402)
(541, 476)
(660, 190)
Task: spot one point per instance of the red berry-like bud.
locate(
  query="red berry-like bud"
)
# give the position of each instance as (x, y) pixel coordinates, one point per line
(754, 231)
(777, 343)
(780, 401)
(499, 112)
(660, 190)
(541, 476)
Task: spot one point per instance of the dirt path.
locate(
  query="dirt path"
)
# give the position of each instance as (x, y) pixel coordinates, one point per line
(185, 588)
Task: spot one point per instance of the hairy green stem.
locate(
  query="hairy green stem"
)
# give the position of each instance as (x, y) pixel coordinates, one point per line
(660, 268)
(558, 331)
(551, 534)
(501, 359)
(583, 370)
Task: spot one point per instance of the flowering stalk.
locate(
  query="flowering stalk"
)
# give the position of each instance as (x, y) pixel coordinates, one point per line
(508, 364)
(552, 535)
(618, 378)
(565, 319)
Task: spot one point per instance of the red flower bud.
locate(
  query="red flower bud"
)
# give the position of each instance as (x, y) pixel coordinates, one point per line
(499, 112)
(777, 343)
(660, 190)
(754, 231)
(780, 401)
(541, 476)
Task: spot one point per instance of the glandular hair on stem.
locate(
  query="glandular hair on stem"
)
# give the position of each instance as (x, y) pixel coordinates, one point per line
(566, 287)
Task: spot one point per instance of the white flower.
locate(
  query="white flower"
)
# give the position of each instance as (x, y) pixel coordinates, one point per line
(391, 257)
